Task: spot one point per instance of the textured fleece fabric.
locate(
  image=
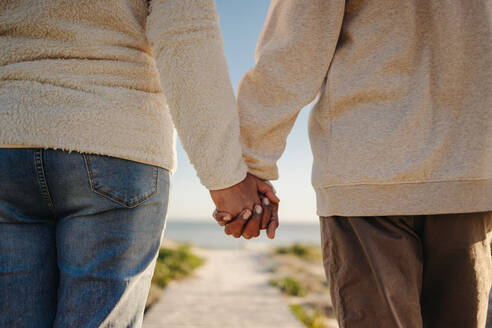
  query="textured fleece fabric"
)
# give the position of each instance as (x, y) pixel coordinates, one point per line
(402, 124)
(111, 77)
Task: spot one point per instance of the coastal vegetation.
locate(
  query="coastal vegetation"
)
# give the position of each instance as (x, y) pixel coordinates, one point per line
(290, 286)
(174, 262)
(297, 271)
(307, 252)
(314, 320)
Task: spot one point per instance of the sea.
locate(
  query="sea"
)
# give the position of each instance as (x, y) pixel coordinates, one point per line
(211, 235)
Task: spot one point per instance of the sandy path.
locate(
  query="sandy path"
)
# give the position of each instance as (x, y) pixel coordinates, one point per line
(229, 290)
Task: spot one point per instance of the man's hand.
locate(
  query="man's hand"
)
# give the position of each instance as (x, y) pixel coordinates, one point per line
(241, 226)
(241, 196)
(274, 223)
(233, 226)
(242, 201)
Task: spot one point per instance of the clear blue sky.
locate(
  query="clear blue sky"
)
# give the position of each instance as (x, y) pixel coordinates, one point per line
(241, 23)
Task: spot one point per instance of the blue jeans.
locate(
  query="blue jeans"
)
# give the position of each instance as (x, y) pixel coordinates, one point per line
(79, 237)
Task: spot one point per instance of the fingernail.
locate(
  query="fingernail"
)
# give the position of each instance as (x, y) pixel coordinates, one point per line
(266, 201)
(258, 209)
(227, 218)
(246, 214)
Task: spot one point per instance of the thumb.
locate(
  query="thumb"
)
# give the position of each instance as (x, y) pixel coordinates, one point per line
(267, 189)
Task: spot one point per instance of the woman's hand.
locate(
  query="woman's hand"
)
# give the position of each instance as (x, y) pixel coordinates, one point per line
(259, 209)
(244, 195)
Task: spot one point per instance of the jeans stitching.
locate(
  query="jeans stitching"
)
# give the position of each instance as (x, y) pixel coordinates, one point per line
(41, 177)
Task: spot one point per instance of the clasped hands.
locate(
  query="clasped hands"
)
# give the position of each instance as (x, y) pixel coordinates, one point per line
(246, 208)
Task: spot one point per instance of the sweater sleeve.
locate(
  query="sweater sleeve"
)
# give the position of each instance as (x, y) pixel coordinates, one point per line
(188, 48)
(293, 55)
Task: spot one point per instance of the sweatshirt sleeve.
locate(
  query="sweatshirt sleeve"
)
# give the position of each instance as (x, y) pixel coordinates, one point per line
(188, 48)
(293, 55)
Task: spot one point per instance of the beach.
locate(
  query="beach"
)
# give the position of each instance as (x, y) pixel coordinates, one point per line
(230, 290)
(206, 233)
(233, 288)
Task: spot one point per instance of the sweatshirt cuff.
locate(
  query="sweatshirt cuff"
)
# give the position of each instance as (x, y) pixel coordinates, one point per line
(223, 180)
(265, 173)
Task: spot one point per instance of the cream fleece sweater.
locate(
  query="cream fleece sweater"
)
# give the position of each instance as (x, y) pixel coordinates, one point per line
(402, 124)
(110, 77)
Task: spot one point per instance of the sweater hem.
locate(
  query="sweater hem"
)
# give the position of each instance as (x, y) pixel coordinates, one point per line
(425, 198)
(92, 150)
(238, 177)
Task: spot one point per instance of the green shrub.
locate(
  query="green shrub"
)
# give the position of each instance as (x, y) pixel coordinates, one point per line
(310, 321)
(174, 264)
(289, 285)
(308, 252)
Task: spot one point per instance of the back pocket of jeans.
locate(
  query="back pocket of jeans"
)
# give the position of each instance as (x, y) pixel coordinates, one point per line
(125, 182)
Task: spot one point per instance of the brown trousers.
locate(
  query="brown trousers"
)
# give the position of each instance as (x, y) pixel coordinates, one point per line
(409, 271)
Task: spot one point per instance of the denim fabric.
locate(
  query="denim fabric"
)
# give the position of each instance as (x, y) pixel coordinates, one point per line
(79, 236)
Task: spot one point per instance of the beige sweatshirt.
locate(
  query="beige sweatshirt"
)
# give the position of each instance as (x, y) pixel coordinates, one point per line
(402, 124)
(110, 77)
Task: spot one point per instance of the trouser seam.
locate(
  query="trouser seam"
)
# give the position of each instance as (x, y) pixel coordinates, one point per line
(379, 284)
(41, 177)
(331, 271)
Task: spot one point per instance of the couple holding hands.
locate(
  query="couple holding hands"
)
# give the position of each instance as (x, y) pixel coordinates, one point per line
(401, 133)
